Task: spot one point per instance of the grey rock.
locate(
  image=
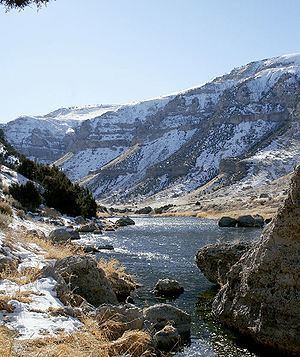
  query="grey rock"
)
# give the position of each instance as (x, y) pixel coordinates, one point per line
(61, 235)
(246, 221)
(261, 297)
(79, 220)
(88, 228)
(215, 260)
(227, 222)
(125, 221)
(168, 288)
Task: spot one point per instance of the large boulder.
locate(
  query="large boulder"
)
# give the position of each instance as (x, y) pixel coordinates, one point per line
(261, 298)
(125, 221)
(62, 235)
(246, 221)
(86, 279)
(215, 260)
(161, 315)
(168, 288)
(227, 222)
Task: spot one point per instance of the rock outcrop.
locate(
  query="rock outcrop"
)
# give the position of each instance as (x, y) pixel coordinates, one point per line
(125, 221)
(261, 298)
(215, 260)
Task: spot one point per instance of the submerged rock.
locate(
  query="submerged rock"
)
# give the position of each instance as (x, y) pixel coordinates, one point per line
(125, 221)
(168, 288)
(84, 278)
(261, 297)
(215, 260)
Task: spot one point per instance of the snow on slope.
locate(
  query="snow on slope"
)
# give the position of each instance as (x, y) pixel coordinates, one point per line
(226, 117)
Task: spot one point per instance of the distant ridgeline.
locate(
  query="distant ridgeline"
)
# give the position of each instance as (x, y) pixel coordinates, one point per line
(54, 188)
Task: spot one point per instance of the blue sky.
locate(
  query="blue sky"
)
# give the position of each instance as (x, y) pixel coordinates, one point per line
(78, 52)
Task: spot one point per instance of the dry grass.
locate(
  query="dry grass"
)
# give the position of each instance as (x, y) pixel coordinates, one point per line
(114, 269)
(26, 276)
(48, 249)
(6, 342)
(5, 208)
(5, 220)
(89, 341)
(21, 296)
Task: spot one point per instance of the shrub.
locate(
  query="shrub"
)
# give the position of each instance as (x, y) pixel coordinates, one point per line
(5, 208)
(27, 195)
(60, 193)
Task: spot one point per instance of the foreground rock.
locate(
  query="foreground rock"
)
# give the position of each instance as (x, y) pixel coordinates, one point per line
(125, 221)
(161, 315)
(215, 260)
(168, 288)
(84, 278)
(62, 235)
(261, 296)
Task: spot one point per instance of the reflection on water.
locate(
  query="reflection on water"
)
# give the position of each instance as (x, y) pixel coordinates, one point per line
(165, 247)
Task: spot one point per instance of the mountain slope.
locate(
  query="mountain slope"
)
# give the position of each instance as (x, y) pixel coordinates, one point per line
(172, 145)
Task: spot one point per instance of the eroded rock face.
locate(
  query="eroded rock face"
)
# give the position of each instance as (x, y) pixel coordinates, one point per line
(262, 295)
(215, 260)
(85, 279)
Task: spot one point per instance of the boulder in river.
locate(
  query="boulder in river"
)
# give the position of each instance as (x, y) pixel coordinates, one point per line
(168, 288)
(86, 279)
(125, 221)
(261, 297)
(227, 222)
(215, 260)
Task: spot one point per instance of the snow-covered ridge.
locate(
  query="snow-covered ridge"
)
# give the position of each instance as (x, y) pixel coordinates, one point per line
(170, 144)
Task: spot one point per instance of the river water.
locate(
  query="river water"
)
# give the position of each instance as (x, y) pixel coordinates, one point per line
(165, 247)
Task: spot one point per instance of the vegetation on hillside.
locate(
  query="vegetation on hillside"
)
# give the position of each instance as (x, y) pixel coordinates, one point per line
(58, 191)
(20, 4)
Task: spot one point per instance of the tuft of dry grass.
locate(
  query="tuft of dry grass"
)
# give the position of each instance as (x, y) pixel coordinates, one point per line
(5, 208)
(115, 270)
(5, 220)
(26, 276)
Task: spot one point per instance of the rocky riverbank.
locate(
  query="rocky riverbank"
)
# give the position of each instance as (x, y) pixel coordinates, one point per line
(259, 295)
(56, 297)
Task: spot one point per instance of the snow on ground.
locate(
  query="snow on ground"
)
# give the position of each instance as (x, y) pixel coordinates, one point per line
(9, 176)
(32, 320)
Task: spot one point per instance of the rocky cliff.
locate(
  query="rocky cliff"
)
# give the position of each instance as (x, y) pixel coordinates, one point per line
(172, 145)
(261, 297)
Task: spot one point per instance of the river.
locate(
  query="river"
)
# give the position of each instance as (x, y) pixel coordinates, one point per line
(165, 247)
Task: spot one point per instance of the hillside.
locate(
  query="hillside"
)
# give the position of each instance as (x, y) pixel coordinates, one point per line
(240, 130)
